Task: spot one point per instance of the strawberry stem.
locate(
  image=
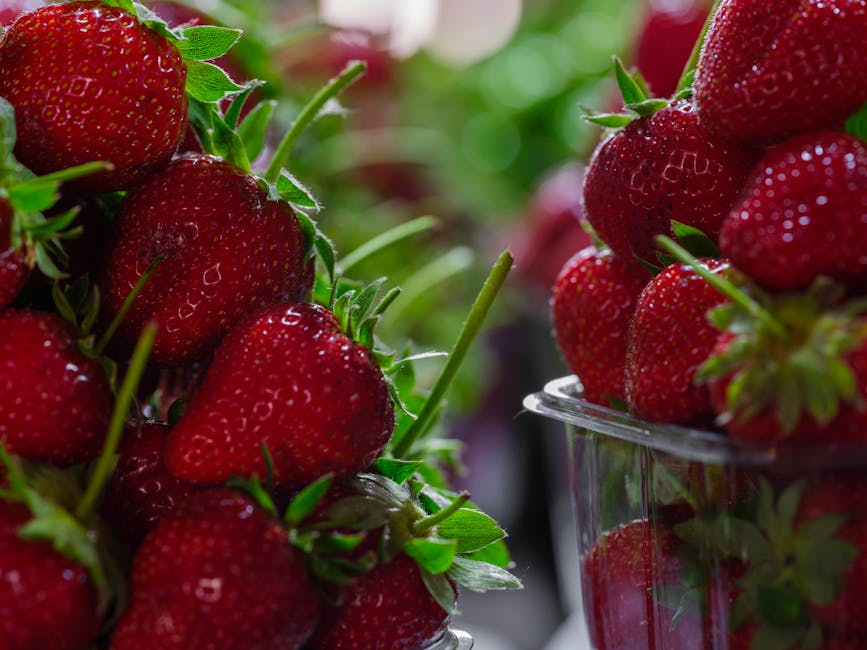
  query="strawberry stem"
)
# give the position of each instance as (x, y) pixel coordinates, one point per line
(687, 77)
(423, 525)
(470, 329)
(107, 459)
(725, 287)
(125, 307)
(333, 88)
(386, 239)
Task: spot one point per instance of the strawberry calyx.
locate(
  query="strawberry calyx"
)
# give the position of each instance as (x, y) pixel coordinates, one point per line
(636, 99)
(30, 196)
(789, 565)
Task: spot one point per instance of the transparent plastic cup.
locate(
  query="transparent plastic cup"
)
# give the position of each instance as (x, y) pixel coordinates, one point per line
(692, 540)
(451, 639)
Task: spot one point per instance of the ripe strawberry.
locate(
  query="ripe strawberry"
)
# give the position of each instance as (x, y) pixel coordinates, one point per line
(592, 304)
(218, 573)
(625, 577)
(46, 599)
(55, 402)
(90, 82)
(387, 608)
(142, 490)
(665, 41)
(658, 168)
(226, 248)
(669, 338)
(769, 70)
(289, 378)
(797, 218)
(14, 270)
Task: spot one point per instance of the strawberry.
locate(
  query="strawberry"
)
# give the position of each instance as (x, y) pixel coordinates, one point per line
(769, 70)
(141, 490)
(56, 402)
(90, 82)
(657, 168)
(626, 576)
(218, 573)
(46, 599)
(226, 249)
(14, 270)
(669, 338)
(288, 378)
(796, 217)
(592, 304)
(665, 40)
(387, 608)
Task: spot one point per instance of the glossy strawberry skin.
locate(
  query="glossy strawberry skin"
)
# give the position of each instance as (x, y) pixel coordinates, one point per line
(55, 402)
(46, 599)
(218, 573)
(89, 82)
(620, 575)
(769, 70)
(658, 168)
(14, 271)
(142, 490)
(226, 251)
(388, 608)
(669, 338)
(289, 378)
(798, 216)
(592, 303)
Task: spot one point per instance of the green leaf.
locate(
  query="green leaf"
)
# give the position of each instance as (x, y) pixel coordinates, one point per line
(472, 529)
(7, 131)
(338, 542)
(233, 113)
(432, 554)
(126, 5)
(779, 606)
(253, 128)
(442, 591)
(253, 488)
(481, 576)
(630, 90)
(647, 107)
(208, 83)
(205, 42)
(694, 240)
(176, 410)
(294, 193)
(397, 470)
(496, 554)
(306, 501)
(857, 124)
(33, 196)
(609, 120)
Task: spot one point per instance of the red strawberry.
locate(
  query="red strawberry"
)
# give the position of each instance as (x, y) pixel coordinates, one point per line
(798, 216)
(218, 573)
(665, 41)
(227, 249)
(142, 491)
(46, 599)
(769, 70)
(592, 304)
(388, 608)
(287, 377)
(658, 168)
(14, 270)
(90, 82)
(669, 338)
(55, 401)
(625, 577)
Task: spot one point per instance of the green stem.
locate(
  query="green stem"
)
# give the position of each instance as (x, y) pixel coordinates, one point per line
(107, 459)
(333, 88)
(386, 239)
(686, 77)
(423, 525)
(725, 287)
(125, 307)
(72, 173)
(471, 327)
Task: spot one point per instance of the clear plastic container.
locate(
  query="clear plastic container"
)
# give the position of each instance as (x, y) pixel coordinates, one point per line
(689, 539)
(451, 640)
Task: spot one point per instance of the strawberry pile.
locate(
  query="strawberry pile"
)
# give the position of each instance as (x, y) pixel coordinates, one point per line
(204, 443)
(726, 291)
